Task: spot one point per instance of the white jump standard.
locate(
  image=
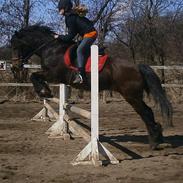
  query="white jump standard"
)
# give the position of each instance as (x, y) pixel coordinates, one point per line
(59, 128)
(94, 147)
(64, 124)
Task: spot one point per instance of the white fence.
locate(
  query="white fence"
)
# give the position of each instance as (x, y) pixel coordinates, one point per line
(171, 86)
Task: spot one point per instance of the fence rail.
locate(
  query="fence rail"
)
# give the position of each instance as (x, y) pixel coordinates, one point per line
(22, 84)
(55, 85)
(35, 66)
(173, 67)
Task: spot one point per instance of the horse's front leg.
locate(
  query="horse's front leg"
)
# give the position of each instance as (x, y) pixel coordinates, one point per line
(41, 87)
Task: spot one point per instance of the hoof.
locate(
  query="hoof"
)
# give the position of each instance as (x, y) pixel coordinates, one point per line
(45, 94)
(3, 101)
(164, 146)
(161, 146)
(166, 127)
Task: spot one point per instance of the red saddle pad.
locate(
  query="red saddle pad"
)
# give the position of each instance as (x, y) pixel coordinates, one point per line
(102, 61)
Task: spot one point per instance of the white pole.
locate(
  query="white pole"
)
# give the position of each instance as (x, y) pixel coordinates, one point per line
(94, 93)
(61, 104)
(60, 127)
(44, 111)
(94, 105)
(94, 148)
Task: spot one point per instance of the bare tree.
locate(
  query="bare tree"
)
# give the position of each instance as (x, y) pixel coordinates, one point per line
(14, 15)
(26, 12)
(142, 29)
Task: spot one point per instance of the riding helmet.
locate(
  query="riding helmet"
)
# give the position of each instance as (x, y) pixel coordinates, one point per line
(65, 4)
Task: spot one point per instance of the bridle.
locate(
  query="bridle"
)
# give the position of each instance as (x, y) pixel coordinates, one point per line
(24, 60)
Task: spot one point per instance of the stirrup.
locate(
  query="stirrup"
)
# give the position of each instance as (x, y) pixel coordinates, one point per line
(78, 79)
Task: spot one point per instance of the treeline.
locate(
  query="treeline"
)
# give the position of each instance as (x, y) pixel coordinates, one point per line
(147, 31)
(152, 33)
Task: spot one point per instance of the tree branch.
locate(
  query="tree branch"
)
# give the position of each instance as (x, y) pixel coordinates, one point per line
(101, 11)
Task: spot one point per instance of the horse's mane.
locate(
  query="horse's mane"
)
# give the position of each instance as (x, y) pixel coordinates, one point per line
(37, 32)
(37, 28)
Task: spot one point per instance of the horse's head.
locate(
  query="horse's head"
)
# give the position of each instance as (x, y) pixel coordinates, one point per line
(25, 42)
(20, 49)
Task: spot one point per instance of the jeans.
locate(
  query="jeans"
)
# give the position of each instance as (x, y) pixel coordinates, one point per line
(83, 51)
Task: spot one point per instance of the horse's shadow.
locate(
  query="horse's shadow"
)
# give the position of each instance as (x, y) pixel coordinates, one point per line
(175, 141)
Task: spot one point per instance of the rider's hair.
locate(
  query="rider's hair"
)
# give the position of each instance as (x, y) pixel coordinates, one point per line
(81, 10)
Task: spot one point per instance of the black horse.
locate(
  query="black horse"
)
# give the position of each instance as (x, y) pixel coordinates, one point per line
(118, 75)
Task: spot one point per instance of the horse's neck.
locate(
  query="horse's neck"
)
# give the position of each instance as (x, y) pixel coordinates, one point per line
(41, 47)
(56, 48)
(53, 53)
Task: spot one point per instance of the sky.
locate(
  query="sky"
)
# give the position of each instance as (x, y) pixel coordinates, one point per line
(45, 11)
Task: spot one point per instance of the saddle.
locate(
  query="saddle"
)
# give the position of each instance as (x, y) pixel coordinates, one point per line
(71, 62)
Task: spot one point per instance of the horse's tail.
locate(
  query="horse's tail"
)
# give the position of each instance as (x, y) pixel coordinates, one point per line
(153, 86)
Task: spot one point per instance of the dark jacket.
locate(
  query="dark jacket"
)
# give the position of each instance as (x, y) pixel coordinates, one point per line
(76, 25)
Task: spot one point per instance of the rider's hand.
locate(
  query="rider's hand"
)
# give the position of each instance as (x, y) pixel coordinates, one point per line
(56, 36)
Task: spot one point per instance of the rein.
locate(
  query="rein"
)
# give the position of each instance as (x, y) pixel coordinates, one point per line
(32, 53)
(42, 46)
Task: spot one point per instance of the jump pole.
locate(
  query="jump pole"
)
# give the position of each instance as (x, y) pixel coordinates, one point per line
(94, 147)
(64, 125)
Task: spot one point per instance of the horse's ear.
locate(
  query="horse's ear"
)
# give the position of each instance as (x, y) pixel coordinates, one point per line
(17, 34)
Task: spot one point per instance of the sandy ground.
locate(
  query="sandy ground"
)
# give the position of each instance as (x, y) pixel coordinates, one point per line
(28, 156)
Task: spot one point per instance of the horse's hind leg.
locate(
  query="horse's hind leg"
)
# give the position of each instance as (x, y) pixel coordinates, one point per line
(146, 113)
(41, 87)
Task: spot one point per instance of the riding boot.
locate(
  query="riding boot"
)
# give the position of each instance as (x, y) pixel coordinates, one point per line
(80, 76)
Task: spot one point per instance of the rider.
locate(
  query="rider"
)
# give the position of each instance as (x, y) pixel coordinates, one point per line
(77, 25)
